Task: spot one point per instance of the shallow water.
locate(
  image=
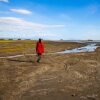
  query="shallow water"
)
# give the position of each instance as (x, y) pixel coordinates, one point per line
(88, 48)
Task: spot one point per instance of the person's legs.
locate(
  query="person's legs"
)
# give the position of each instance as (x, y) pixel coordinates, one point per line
(39, 57)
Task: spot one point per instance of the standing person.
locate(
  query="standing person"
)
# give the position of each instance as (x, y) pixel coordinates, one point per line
(39, 49)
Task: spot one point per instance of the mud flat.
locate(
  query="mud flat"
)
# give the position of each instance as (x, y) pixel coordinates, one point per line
(74, 76)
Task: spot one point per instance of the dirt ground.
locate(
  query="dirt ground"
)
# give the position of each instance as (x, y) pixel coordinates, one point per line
(57, 77)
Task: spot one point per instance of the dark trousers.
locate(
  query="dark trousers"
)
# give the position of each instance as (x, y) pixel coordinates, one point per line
(39, 57)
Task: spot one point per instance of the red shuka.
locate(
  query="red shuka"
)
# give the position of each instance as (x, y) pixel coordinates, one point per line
(39, 48)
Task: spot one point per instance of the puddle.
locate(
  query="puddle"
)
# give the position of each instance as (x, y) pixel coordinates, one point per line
(88, 48)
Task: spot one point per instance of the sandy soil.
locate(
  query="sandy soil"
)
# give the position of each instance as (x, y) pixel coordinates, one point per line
(57, 77)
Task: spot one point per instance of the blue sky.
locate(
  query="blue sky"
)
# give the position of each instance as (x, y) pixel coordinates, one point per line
(50, 19)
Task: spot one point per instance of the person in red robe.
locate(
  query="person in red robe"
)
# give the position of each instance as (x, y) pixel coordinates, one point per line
(39, 49)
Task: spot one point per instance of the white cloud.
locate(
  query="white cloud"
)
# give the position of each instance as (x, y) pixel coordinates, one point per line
(13, 21)
(21, 11)
(4, 1)
(24, 28)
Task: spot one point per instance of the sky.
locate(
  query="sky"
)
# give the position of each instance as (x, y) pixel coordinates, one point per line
(50, 19)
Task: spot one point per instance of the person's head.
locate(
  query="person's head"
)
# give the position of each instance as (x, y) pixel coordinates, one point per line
(40, 39)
